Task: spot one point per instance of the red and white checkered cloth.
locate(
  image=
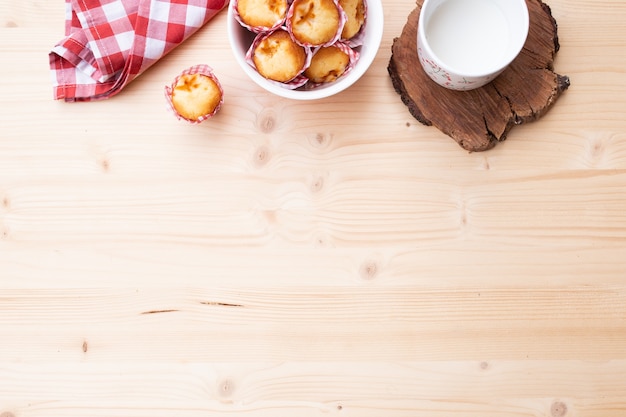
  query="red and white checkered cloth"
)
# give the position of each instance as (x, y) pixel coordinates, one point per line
(109, 43)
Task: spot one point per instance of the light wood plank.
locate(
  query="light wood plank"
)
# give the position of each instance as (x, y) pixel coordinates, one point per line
(330, 207)
(312, 389)
(309, 259)
(314, 323)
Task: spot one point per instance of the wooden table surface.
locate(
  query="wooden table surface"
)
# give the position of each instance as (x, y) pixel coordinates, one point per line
(333, 258)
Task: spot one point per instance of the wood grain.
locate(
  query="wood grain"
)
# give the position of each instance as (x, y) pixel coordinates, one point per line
(309, 259)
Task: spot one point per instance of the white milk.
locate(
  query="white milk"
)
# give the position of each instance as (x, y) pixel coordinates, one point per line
(470, 36)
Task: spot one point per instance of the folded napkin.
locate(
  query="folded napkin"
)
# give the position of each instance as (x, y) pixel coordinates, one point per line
(109, 43)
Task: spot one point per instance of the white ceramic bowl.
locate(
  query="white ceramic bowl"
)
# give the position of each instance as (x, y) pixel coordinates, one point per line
(241, 38)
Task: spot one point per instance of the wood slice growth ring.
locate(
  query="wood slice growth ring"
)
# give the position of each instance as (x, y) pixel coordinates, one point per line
(478, 119)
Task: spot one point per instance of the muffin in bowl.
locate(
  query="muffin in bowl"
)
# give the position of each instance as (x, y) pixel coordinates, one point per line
(277, 57)
(315, 22)
(355, 17)
(260, 15)
(329, 63)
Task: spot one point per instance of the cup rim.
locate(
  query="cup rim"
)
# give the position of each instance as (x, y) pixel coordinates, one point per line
(514, 52)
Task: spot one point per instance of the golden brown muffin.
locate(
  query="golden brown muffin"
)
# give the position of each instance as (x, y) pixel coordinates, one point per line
(328, 64)
(195, 95)
(314, 22)
(355, 10)
(277, 57)
(265, 13)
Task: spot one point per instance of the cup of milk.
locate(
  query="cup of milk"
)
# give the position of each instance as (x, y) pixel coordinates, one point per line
(464, 44)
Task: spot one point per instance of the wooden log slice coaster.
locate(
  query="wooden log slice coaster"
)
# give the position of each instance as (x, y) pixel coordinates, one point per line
(478, 119)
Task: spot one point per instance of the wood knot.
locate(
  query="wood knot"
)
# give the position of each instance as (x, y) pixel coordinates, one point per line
(369, 270)
(558, 409)
(261, 156)
(317, 184)
(597, 150)
(321, 240)
(484, 365)
(266, 121)
(85, 347)
(10, 24)
(4, 235)
(270, 216)
(226, 388)
(463, 219)
(7, 414)
(320, 140)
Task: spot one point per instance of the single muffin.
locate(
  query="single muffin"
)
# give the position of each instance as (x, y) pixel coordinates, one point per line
(328, 64)
(355, 11)
(195, 96)
(314, 22)
(277, 57)
(262, 13)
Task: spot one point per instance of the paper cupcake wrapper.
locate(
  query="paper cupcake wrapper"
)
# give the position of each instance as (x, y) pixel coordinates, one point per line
(353, 57)
(256, 29)
(299, 80)
(357, 40)
(196, 69)
(342, 21)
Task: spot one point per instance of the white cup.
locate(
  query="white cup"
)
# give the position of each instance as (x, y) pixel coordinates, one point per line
(464, 44)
